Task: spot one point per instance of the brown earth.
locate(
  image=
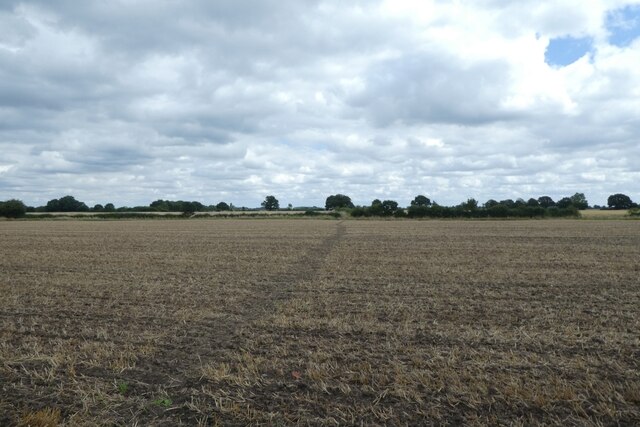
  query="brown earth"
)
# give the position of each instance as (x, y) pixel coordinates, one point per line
(321, 322)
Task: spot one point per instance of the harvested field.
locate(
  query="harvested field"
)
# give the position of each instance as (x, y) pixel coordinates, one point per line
(322, 322)
(605, 214)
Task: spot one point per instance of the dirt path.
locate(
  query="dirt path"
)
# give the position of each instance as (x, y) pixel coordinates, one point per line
(174, 367)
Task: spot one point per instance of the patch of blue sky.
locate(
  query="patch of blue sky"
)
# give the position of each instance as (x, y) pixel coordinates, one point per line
(563, 51)
(623, 25)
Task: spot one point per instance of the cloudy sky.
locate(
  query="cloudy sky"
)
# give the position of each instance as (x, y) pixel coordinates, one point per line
(129, 101)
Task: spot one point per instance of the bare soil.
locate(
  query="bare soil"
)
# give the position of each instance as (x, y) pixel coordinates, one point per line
(319, 322)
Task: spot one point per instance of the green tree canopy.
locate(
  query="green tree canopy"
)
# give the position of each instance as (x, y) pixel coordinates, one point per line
(12, 208)
(338, 201)
(189, 208)
(160, 205)
(508, 203)
(619, 201)
(389, 207)
(222, 206)
(270, 203)
(490, 203)
(470, 205)
(546, 201)
(564, 203)
(421, 200)
(579, 201)
(376, 208)
(66, 204)
(177, 206)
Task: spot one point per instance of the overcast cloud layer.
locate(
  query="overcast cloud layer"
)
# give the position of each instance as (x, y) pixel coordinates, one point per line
(130, 101)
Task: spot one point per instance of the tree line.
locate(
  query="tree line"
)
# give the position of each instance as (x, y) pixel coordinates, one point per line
(15, 208)
(420, 207)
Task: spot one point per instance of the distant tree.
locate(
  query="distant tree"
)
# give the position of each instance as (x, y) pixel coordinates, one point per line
(546, 202)
(579, 201)
(222, 206)
(400, 213)
(289, 206)
(359, 212)
(70, 204)
(140, 209)
(98, 208)
(12, 209)
(189, 208)
(52, 205)
(338, 201)
(564, 203)
(175, 206)
(498, 211)
(533, 203)
(270, 203)
(160, 205)
(416, 211)
(490, 203)
(508, 203)
(376, 208)
(619, 201)
(470, 205)
(199, 207)
(109, 207)
(421, 200)
(520, 202)
(389, 207)
(66, 204)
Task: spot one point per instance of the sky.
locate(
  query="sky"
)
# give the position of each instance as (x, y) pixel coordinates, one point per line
(129, 101)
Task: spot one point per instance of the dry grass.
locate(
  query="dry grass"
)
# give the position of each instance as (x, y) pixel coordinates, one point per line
(47, 417)
(604, 214)
(236, 322)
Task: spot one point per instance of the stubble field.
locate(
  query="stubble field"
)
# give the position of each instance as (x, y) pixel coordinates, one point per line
(321, 322)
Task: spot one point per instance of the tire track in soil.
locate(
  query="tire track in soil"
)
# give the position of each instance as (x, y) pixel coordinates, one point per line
(176, 357)
(314, 261)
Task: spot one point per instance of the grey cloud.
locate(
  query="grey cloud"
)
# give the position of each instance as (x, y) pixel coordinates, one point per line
(132, 101)
(16, 31)
(434, 88)
(237, 34)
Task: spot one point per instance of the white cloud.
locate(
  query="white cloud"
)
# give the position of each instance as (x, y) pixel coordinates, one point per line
(133, 101)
